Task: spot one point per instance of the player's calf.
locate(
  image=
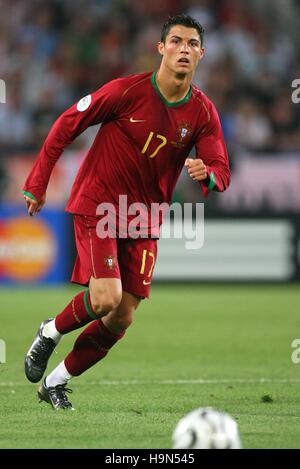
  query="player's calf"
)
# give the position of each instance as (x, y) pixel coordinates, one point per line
(119, 319)
(118, 323)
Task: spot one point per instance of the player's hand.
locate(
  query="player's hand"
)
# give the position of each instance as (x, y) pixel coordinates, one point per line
(196, 169)
(33, 206)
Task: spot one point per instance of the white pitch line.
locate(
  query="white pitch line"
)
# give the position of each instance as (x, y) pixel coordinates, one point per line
(171, 382)
(196, 381)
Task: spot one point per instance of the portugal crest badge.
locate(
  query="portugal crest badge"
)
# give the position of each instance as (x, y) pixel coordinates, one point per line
(110, 262)
(183, 135)
(184, 131)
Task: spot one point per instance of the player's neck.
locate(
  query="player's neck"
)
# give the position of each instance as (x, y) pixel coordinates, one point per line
(173, 87)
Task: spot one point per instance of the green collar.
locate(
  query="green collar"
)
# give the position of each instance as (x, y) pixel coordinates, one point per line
(167, 103)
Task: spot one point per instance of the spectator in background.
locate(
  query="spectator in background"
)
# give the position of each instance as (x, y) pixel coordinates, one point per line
(252, 130)
(15, 124)
(285, 122)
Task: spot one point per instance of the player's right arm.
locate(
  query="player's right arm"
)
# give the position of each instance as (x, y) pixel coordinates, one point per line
(90, 110)
(33, 206)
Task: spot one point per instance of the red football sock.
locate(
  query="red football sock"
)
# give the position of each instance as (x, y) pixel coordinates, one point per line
(91, 346)
(76, 314)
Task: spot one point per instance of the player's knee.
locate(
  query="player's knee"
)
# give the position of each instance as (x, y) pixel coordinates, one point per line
(104, 303)
(105, 296)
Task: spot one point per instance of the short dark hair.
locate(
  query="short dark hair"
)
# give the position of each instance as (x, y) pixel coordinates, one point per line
(184, 20)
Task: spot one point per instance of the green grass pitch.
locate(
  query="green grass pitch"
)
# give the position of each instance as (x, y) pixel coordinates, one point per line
(190, 346)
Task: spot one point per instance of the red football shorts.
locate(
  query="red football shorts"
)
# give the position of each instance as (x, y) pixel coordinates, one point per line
(131, 260)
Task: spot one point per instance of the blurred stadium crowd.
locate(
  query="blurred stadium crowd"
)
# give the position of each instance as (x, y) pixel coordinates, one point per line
(54, 52)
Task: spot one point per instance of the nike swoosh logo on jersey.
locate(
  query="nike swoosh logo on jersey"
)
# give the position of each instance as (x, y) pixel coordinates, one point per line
(146, 283)
(137, 120)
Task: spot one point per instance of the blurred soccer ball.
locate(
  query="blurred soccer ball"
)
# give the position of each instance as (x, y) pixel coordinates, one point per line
(206, 428)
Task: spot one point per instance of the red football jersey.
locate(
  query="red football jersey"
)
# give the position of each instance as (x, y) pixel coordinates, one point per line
(140, 148)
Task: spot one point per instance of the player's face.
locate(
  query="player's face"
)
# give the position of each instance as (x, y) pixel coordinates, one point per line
(182, 50)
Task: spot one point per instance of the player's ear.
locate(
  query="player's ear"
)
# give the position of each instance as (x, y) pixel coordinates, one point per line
(201, 54)
(160, 47)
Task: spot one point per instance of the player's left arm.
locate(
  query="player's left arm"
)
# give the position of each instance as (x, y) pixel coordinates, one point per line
(211, 166)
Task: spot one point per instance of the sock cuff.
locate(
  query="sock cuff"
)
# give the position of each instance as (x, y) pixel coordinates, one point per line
(108, 333)
(68, 371)
(88, 304)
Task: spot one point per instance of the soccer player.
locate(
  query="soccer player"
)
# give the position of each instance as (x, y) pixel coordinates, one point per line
(150, 123)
